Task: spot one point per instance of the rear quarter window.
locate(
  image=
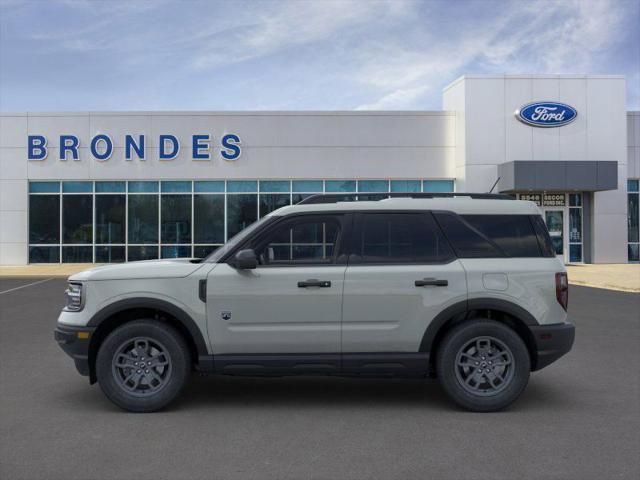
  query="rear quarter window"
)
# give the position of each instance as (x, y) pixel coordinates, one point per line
(466, 240)
(544, 240)
(513, 234)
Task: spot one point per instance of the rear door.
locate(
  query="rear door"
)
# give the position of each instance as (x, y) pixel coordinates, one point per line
(401, 274)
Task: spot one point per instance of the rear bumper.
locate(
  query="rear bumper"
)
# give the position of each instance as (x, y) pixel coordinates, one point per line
(75, 345)
(552, 342)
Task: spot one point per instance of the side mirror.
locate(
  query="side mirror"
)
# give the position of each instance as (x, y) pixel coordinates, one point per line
(245, 260)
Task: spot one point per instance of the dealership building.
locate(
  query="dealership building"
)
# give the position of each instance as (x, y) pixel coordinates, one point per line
(101, 187)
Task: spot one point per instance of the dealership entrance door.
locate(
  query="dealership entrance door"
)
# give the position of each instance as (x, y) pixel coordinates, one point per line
(562, 212)
(556, 226)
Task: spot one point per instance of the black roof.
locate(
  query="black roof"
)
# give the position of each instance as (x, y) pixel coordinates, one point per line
(354, 197)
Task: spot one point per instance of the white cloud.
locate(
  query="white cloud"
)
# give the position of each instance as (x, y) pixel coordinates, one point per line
(318, 54)
(403, 98)
(288, 24)
(535, 37)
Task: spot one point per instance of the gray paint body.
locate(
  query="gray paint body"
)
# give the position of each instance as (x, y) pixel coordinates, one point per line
(366, 309)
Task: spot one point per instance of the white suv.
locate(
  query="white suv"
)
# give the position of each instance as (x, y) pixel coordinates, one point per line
(464, 287)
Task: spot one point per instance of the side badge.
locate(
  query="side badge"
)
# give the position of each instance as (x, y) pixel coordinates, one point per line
(225, 315)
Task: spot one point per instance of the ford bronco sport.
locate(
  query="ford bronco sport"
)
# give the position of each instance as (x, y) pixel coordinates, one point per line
(464, 287)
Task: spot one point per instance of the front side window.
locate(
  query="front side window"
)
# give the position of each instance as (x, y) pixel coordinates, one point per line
(401, 238)
(303, 240)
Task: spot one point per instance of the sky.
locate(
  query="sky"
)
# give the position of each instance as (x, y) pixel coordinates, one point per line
(297, 55)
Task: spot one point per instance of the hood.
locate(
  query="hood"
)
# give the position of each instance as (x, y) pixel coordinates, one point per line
(168, 268)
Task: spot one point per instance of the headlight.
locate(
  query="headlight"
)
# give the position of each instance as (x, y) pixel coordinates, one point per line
(75, 301)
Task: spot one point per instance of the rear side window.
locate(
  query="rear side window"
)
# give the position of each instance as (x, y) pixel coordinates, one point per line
(544, 240)
(401, 238)
(466, 240)
(513, 234)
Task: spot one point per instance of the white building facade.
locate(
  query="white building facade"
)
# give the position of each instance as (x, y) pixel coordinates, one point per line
(121, 186)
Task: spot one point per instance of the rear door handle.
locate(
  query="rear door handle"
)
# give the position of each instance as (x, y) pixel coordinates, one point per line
(314, 283)
(428, 282)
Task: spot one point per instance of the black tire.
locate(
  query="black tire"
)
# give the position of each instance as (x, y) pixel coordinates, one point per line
(161, 384)
(468, 349)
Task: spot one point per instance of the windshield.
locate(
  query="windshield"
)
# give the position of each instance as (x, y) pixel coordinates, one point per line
(215, 256)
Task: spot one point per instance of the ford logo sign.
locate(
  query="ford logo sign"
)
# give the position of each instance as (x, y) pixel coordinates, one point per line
(546, 114)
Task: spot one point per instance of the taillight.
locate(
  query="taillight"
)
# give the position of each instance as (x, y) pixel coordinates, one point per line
(562, 289)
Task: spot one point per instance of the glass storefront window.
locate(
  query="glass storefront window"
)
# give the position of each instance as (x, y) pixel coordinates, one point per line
(77, 220)
(109, 254)
(44, 187)
(338, 186)
(201, 251)
(208, 218)
(369, 186)
(176, 251)
(307, 186)
(110, 218)
(242, 211)
(44, 254)
(633, 232)
(632, 217)
(273, 201)
(44, 219)
(143, 219)
(208, 187)
(143, 187)
(175, 187)
(298, 197)
(110, 221)
(403, 186)
(142, 252)
(77, 187)
(77, 254)
(575, 200)
(176, 219)
(111, 187)
(242, 186)
(274, 186)
(437, 186)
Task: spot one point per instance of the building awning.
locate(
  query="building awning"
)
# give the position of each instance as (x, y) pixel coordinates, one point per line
(559, 176)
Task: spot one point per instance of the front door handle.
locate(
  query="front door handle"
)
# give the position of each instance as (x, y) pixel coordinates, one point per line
(314, 283)
(427, 282)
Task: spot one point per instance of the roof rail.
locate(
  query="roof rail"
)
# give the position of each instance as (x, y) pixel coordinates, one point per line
(354, 197)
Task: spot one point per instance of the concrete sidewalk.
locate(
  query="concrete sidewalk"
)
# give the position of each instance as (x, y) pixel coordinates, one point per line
(46, 270)
(622, 277)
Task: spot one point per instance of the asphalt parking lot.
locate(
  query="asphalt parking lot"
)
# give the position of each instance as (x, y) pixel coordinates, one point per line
(578, 418)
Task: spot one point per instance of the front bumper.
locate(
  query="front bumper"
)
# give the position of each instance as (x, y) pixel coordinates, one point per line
(552, 342)
(75, 343)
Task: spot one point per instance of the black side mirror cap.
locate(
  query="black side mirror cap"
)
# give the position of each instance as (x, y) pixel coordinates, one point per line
(245, 260)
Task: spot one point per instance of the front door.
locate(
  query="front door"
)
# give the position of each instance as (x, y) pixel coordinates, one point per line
(555, 224)
(291, 303)
(402, 273)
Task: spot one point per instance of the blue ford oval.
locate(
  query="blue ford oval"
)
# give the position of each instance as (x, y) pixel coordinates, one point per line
(546, 114)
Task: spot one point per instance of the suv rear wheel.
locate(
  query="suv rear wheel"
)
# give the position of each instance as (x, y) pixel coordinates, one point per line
(483, 365)
(143, 365)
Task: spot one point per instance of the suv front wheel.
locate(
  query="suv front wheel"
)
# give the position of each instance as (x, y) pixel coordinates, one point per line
(143, 365)
(483, 365)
